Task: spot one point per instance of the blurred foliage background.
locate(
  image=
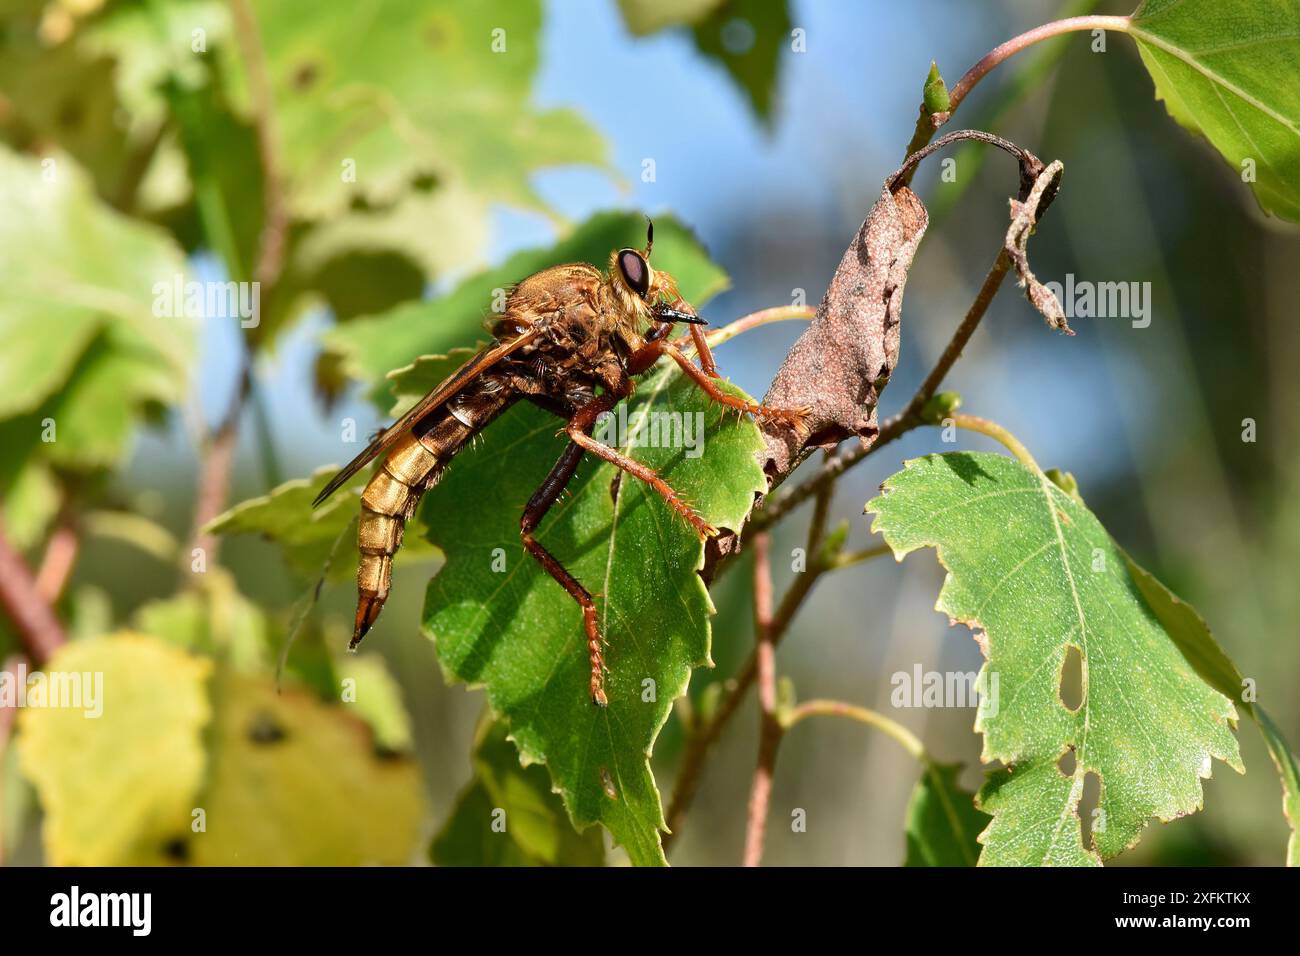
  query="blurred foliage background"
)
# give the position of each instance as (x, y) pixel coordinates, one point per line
(411, 146)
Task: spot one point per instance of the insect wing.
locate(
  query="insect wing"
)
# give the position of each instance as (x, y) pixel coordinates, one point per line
(479, 363)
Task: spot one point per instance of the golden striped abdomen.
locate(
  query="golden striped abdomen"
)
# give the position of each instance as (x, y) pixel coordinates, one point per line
(411, 468)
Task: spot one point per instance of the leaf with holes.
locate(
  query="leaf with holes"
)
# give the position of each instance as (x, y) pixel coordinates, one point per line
(1034, 573)
(1227, 71)
(498, 620)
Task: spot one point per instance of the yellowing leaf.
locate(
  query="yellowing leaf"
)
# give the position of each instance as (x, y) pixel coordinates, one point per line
(118, 789)
(295, 782)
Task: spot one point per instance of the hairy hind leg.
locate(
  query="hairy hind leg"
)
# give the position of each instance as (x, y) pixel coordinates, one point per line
(647, 474)
(538, 505)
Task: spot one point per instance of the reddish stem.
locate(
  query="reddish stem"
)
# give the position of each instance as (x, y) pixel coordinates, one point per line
(32, 616)
(769, 726)
(1027, 39)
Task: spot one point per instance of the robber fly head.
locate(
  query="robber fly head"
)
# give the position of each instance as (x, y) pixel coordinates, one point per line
(641, 292)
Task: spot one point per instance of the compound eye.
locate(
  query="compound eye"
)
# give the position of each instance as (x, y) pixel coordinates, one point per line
(636, 272)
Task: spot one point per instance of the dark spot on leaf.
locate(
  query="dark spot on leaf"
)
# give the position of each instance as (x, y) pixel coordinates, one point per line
(265, 730)
(305, 76)
(70, 115)
(614, 484)
(177, 850)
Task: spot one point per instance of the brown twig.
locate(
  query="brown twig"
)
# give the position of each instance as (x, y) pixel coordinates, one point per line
(769, 735)
(703, 737)
(219, 452)
(218, 458)
(31, 615)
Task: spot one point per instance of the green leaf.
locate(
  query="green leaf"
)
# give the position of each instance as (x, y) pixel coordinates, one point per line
(943, 822)
(467, 838)
(371, 347)
(745, 38)
(311, 537)
(414, 381)
(29, 503)
(519, 799)
(1192, 634)
(212, 619)
(520, 634)
(1034, 573)
(370, 98)
(1288, 769)
(285, 516)
(118, 788)
(376, 698)
(644, 17)
(1227, 71)
(748, 39)
(70, 263)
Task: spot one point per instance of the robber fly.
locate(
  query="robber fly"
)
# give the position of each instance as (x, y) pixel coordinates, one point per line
(571, 340)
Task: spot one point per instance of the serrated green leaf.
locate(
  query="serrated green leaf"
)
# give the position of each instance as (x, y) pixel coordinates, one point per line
(371, 347)
(1033, 570)
(526, 813)
(520, 634)
(118, 788)
(1227, 71)
(309, 536)
(943, 822)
